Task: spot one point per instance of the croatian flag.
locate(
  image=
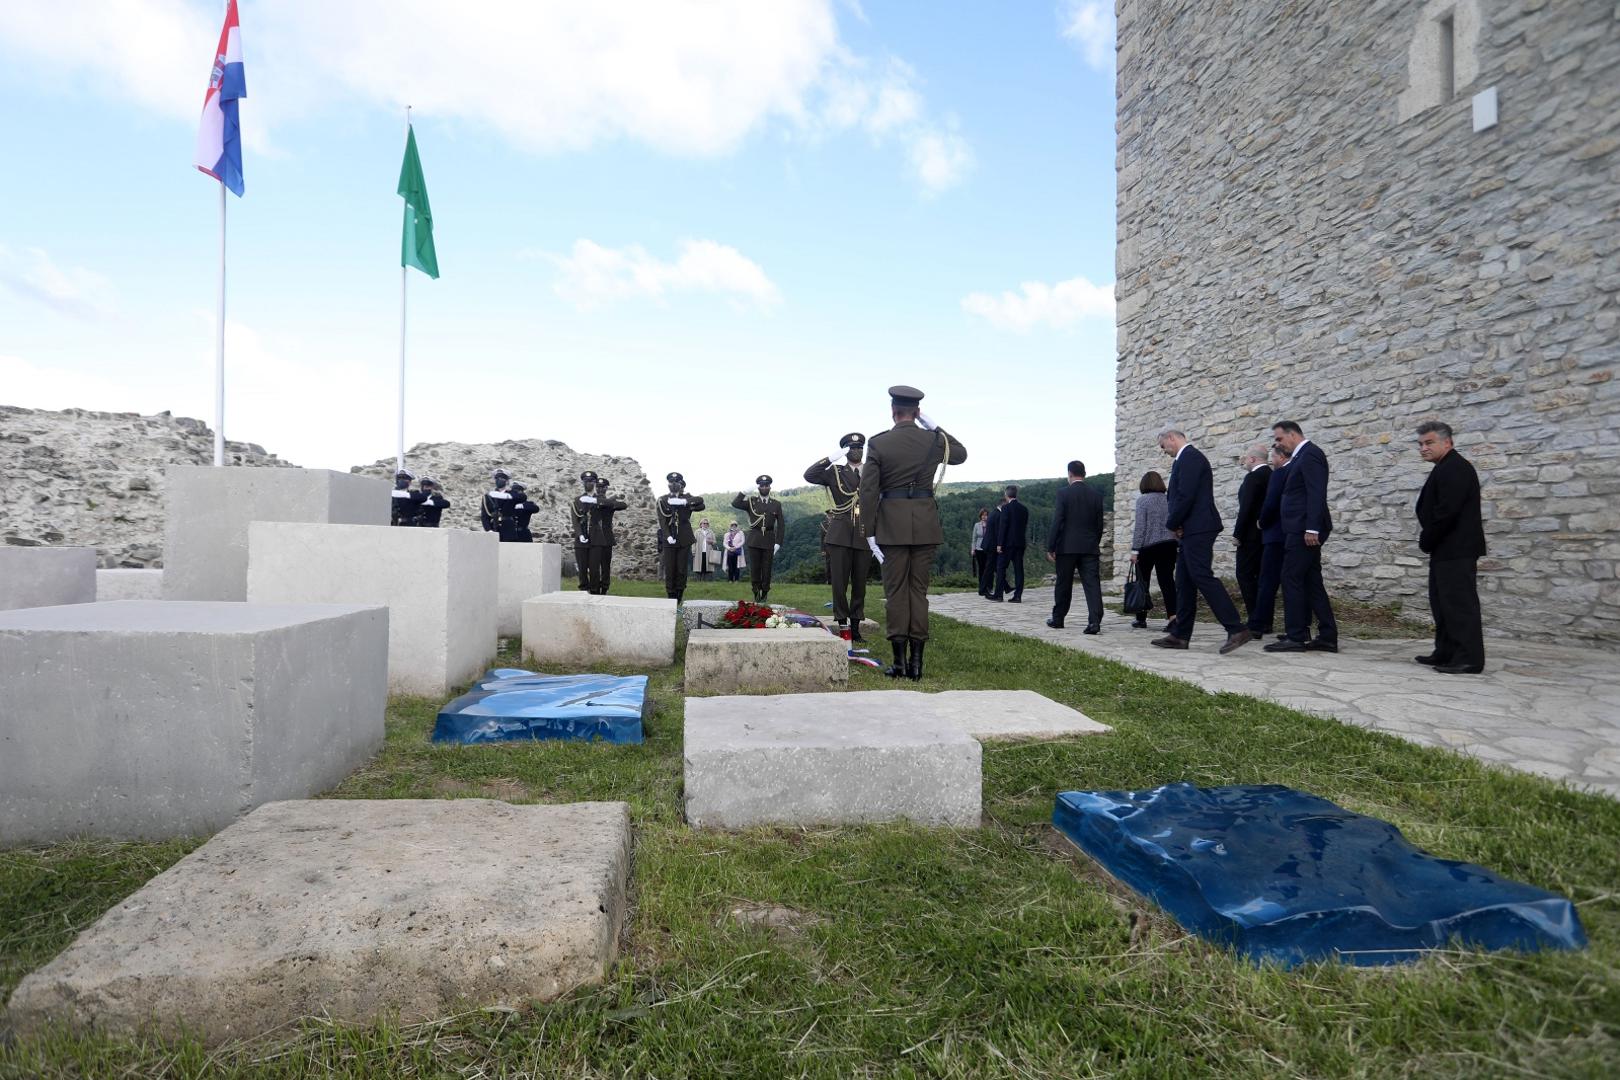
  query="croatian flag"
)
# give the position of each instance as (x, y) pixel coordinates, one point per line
(219, 139)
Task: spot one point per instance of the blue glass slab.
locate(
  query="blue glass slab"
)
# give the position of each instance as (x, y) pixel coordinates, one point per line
(508, 704)
(1285, 876)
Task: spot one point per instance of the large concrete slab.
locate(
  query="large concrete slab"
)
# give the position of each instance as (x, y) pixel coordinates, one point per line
(129, 584)
(747, 766)
(729, 661)
(439, 586)
(351, 909)
(46, 576)
(525, 571)
(145, 719)
(208, 510)
(578, 629)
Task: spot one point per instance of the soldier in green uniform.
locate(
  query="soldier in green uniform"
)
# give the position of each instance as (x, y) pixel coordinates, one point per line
(675, 537)
(902, 519)
(579, 518)
(766, 530)
(842, 538)
(601, 537)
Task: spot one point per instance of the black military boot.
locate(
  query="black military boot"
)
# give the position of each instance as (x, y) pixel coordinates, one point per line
(855, 631)
(898, 668)
(914, 666)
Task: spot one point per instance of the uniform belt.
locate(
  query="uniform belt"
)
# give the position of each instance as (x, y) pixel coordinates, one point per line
(908, 493)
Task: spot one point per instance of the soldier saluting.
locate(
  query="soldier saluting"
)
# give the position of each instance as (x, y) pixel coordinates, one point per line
(842, 537)
(897, 505)
(601, 537)
(433, 504)
(675, 537)
(405, 502)
(766, 531)
(579, 520)
(495, 502)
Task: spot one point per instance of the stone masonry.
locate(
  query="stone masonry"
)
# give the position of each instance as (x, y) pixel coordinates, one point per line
(1310, 227)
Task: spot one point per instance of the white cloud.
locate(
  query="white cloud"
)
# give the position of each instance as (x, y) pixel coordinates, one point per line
(1089, 24)
(940, 158)
(887, 105)
(592, 275)
(72, 291)
(32, 386)
(1037, 303)
(693, 77)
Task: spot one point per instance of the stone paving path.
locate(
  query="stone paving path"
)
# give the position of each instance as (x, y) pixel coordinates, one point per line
(1546, 709)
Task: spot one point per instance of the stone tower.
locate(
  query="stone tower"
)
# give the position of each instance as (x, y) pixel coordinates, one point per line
(1361, 215)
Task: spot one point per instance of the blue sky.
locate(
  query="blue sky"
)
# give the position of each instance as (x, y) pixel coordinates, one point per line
(706, 234)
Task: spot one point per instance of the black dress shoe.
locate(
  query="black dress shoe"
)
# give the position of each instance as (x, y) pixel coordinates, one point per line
(1429, 661)
(1092, 629)
(1014, 600)
(1459, 669)
(1322, 646)
(1054, 625)
(1139, 624)
(1169, 641)
(994, 596)
(1286, 645)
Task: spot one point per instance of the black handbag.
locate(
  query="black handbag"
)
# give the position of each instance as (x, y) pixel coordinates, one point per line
(1138, 600)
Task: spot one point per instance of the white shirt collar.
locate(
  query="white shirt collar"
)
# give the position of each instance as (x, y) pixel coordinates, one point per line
(1302, 442)
(1183, 450)
(1262, 465)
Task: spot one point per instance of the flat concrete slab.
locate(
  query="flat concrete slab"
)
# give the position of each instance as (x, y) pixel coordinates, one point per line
(781, 659)
(351, 909)
(46, 576)
(1006, 714)
(124, 584)
(524, 571)
(576, 629)
(145, 719)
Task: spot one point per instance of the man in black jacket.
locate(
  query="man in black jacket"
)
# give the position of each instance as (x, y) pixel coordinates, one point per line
(1075, 542)
(1012, 537)
(1306, 524)
(1196, 523)
(1251, 496)
(1453, 536)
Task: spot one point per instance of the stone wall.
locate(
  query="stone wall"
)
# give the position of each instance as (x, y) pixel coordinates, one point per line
(1309, 227)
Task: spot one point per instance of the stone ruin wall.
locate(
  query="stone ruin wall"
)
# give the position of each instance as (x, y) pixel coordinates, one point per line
(1310, 228)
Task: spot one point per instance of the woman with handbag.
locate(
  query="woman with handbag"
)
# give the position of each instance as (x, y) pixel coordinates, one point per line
(1153, 548)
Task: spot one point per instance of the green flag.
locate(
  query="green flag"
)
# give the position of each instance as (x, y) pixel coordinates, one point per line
(416, 246)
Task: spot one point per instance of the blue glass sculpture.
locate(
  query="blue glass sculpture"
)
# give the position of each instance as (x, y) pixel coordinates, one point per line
(1284, 876)
(509, 704)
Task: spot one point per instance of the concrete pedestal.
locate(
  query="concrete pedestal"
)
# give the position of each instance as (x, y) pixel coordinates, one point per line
(575, 629)
(205, 537)
(148, 719)
(729, 661)
(129, 584)
(525, 571)
(439, 586)
(351, 909)
(46, 576)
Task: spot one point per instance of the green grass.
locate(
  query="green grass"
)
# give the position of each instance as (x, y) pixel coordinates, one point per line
(911, 952)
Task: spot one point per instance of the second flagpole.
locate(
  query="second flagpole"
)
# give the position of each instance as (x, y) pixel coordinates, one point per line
(400, 455)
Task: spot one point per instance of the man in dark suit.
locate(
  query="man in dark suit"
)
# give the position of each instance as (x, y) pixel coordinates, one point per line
(1012, 536)
(1453, 536)
(1251, 494)
(1306, 525)
(1075, 543)
(1263, 614)
(1196, 523)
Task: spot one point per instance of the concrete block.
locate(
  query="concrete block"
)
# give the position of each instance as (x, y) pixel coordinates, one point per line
(999, 714)
(350, 909)
(439, 586)
(577, 629)
(145, 719)
(728, 661)
(207, 512)
(129, 584)
(46, 576)
(749, 764)
(706, 612)
(524, 571)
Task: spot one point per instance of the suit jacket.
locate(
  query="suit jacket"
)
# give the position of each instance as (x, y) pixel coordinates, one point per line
(1077, 521)
(1270, 517)
(1192, 494)
(765, 526)
(1304, 495)
(991, 525)
(841, 526)
(1251, 495)
(1448, 511)
(1012, 530)
(903, 460)
(675, 518)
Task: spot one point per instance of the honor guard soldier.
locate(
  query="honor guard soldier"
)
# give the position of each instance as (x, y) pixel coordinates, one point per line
(766, 530)
(579, 519)
(842, 538)
(675, 538)
(433, 503)
(601, 538)
(903, 529)
(495, 502)
(406, 502)
(515, 522)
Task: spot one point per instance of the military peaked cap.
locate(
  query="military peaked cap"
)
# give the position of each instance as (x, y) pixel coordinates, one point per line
(762, 480)
(499, 474)
(905, 397)
(405, 473)
(674, 478)
(853, 441)
(589, 476)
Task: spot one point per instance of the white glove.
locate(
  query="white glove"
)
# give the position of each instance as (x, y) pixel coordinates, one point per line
(588, 499)
(670, 540)
(775, 548)
(877, 552)
(584, 539)
(839, 456)
(923, 421)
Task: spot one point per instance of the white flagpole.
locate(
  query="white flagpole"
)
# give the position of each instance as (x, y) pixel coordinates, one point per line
(400, 456)
(219, 344)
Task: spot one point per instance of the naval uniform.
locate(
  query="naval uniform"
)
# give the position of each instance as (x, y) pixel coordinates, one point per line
(766, 530)
(675, 539)
(600, 555)
(843, 538)
(492, 508)
(427, 515)
(515, 523)
(406, 508)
